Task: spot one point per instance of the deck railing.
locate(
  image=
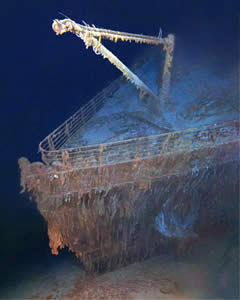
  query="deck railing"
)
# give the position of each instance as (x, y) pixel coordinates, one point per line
(53, 150)
(52, 145)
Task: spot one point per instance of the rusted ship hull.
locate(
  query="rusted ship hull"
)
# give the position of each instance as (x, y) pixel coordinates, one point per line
(106, 214)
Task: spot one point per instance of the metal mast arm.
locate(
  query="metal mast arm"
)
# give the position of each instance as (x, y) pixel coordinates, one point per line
(65, 25)
(90, 34)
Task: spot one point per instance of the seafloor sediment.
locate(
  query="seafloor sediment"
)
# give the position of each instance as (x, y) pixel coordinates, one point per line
(209, 270)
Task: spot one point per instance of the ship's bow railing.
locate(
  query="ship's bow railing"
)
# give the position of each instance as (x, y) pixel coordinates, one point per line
(52, 144)
(140, 148)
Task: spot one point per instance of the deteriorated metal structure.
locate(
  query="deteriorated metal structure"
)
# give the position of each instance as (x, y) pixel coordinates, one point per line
(103, 208)
(93, 36)
(104, 201)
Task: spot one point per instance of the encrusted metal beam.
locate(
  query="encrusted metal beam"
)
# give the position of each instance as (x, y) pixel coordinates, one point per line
(166, 76)
(90, 34)
(65, 25)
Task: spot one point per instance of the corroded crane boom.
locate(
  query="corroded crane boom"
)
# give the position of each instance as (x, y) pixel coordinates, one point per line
(65, 25)
(93, 36)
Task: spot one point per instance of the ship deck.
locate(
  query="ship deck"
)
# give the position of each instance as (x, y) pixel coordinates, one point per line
(203, 93)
